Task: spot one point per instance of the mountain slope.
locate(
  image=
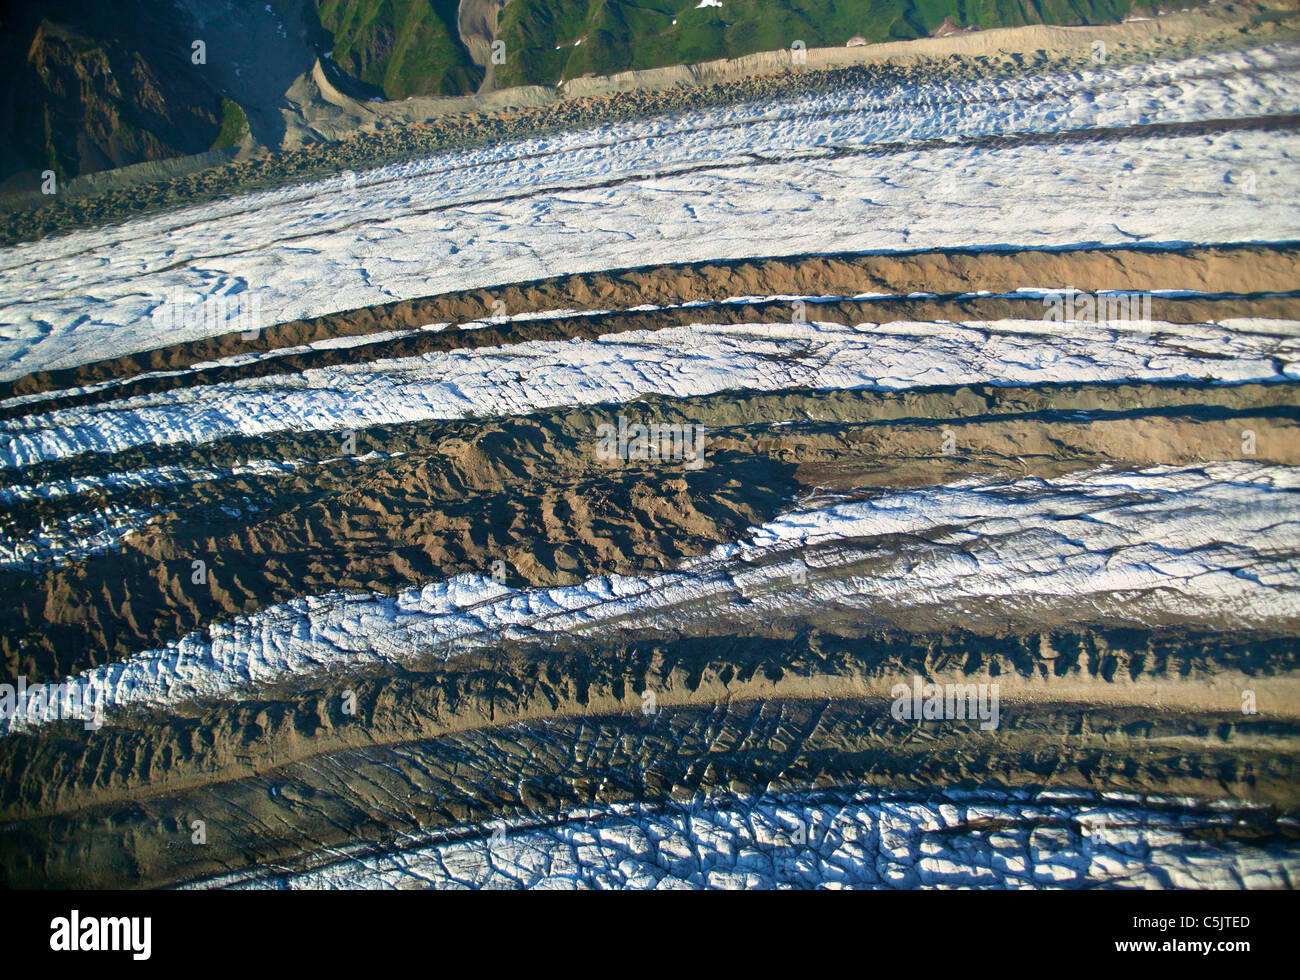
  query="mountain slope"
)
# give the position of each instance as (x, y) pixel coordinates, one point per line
(400, 47)
(551, 40)
(87, 89)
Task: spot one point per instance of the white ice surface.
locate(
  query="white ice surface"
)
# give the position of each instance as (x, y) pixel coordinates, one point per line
(69, 538)
(840, 171)
(679, 361)
(152, 476)
(1217, 544)
(1052, 840)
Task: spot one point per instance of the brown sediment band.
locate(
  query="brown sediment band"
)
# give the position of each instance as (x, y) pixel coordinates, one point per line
(531, 492)
(1244, 275)
(727, 409)
(143, 754)
(510, 735)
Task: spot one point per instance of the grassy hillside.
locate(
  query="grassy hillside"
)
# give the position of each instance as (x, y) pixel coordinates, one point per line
(400, 47)
(234, 125)
(617, 35)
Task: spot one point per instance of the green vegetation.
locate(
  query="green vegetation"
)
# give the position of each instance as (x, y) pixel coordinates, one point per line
(234, 125)
(618, 35)
(400, 47)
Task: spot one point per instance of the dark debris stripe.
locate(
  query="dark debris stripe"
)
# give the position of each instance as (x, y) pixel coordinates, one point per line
(407, 143)
(529, 490)
(1261, 277)
(594, 326)
(287, 781)
(991, 142)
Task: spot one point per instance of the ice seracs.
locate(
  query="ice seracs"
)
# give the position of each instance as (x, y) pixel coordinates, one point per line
(698, 359)
(847, 170)
(827, 840)
(1214, 544)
